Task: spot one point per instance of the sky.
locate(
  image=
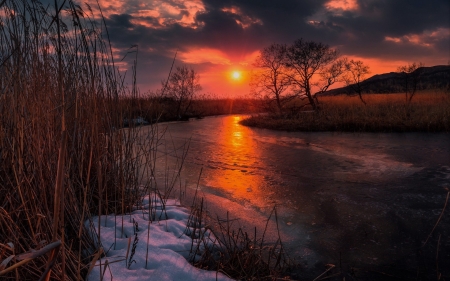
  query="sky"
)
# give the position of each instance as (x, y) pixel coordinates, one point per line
(217, 37)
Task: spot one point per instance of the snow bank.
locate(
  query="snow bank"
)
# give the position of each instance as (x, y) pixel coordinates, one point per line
(166, 248)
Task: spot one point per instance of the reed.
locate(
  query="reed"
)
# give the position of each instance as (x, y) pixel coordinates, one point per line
(62, 156)
(220, 245)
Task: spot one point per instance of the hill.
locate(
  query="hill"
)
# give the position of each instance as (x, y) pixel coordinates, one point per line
(434, 77)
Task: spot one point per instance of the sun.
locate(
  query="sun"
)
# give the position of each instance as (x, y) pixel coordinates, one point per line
(236, 75)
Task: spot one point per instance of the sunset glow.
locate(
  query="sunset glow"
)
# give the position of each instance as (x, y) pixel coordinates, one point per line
(205, 55)
(202, 140)
(236, 75)
(221, 40)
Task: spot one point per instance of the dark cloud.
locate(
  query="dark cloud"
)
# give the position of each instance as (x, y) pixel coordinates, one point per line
(401, 17)
(384, 29)
(281, 19)
(365, 30)
(120, 22)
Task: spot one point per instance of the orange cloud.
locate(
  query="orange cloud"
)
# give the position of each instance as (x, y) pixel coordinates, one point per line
(143, 23)
(232, 10)
(249, 59)
(4, 14)
(177, 11)
(424, 39)
(440, 33)
(110, 4)
(192, 7)
(243, 20)
(205, 55)
(181, 12)
(392, 39)
(147, 13)
(217, 57)
(344, 5)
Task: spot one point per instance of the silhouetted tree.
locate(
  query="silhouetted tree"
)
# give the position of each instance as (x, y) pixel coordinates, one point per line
(181, 87)
(356, 72)
(330, 75)
(411, 77)
(271, 81)
(307, 59)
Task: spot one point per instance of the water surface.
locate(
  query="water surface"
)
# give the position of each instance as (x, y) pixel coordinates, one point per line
(365, 202)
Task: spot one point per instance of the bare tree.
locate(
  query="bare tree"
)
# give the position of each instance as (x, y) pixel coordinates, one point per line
(356, 72)
(181, 87)
(307, 59)
(411, 76)
(330, 75)
(270, 81)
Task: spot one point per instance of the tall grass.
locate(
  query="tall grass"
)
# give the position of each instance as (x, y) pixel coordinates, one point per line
(428, 112)
(221, 246)
(62, 157)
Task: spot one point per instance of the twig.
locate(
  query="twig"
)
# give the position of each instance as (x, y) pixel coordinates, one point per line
(325, 272)
(439, 219)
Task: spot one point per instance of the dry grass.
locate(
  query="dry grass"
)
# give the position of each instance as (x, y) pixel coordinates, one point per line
(221, 246)
(61, 158)
(428, 112)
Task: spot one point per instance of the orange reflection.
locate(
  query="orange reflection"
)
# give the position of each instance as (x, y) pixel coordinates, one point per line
(237, 148)
(236, 130)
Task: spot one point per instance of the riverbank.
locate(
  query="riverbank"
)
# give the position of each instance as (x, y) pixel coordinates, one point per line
(428, 112)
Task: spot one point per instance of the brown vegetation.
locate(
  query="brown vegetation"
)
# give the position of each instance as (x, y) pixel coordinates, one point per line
(429, 111)
(62, 158)
(234, 252)
(156, 109)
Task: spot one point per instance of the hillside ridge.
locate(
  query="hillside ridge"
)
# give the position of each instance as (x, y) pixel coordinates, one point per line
(431, 77)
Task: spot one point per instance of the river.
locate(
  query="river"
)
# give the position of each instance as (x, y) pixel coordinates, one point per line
(365, 202)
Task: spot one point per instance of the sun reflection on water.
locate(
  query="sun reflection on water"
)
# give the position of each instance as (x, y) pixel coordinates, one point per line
(237, 152)
(237, 136)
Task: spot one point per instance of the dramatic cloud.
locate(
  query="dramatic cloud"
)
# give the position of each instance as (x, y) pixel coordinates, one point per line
(216, 37)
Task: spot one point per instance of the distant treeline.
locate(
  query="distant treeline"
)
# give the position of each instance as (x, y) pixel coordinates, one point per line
(435, 77)
(160, 109)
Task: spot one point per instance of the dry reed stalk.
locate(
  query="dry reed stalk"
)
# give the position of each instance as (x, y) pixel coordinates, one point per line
(438, 220)
(58, 92)
(232, 251)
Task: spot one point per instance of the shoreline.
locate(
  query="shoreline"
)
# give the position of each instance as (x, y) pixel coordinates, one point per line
(381, 113)
(297, 125)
